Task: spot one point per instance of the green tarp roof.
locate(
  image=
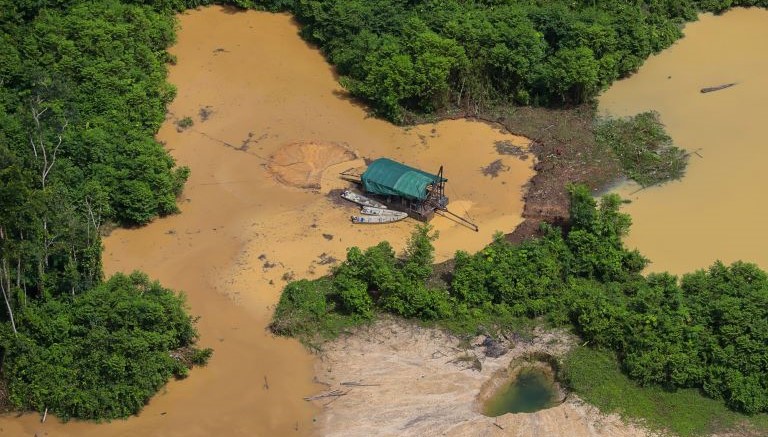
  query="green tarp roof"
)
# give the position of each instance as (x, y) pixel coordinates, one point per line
(390, 178)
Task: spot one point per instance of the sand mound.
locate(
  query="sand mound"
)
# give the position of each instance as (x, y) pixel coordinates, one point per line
(302, 164)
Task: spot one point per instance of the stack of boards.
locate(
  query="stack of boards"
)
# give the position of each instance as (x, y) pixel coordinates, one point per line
(374, 212)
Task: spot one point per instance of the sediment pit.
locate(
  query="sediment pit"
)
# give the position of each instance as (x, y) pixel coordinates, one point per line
(302, 164)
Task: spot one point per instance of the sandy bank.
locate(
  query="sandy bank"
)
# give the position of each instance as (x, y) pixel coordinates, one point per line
(413, 385)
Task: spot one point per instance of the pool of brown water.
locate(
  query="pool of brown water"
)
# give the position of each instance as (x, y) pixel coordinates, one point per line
(718, 210)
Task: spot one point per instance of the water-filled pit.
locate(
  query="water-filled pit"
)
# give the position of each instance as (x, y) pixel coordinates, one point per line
(528, 384)
(533, 389)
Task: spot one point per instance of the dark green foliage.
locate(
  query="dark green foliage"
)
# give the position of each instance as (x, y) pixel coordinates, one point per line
(319, 309)
(364, 282)
(415, 299)
(375, 267)
(354, 296)
(710, 332)
(527, 279)
(302, 306)
(424, 56)
(95, 72)
(645, 151)
(595, 238)
(185, 123)
(729, 313)
(419, 254)
(101, 354)
(437, 54)
(82, 93)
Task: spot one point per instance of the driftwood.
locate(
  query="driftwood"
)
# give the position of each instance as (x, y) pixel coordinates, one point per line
(328, 394)
(717, 88)
(359, 384)
(45, 416)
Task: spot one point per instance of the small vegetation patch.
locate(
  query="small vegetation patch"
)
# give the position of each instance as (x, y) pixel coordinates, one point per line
(184, 124)
(324, 259)
(644, 149)
(467, 361)
(308, 311)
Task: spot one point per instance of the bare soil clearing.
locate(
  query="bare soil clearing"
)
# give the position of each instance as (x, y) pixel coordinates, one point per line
(398, 379)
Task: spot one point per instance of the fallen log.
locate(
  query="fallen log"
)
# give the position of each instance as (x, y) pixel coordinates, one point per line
(359, 384)
(328, 394)
(717, 88)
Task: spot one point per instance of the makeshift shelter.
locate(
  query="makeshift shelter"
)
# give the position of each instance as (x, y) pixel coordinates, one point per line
(403, 187)
(386, 177)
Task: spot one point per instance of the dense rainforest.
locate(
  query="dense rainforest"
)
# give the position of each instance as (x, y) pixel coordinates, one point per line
(405, 56)
(83, 91)
(707, 330)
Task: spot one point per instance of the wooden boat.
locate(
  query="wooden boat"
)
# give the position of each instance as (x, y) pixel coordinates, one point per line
(370, 210)
(386, 218)
(362, 200)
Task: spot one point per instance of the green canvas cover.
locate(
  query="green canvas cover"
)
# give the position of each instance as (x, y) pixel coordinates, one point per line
(389, 178)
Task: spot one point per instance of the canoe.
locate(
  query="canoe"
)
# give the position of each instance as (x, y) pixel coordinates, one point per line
(362, 200)
(372, 219)
(369, 210)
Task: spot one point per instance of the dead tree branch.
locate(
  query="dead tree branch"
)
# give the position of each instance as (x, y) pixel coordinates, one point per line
(42, 151)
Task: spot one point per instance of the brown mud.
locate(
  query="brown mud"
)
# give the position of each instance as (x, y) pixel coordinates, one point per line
(563, 142)
(253, 88)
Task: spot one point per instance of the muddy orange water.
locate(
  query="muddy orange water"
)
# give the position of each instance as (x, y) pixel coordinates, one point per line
(719, 210)
(241, 233)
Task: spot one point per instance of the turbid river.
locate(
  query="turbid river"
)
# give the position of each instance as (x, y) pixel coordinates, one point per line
(241, 233)
(718, 211)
